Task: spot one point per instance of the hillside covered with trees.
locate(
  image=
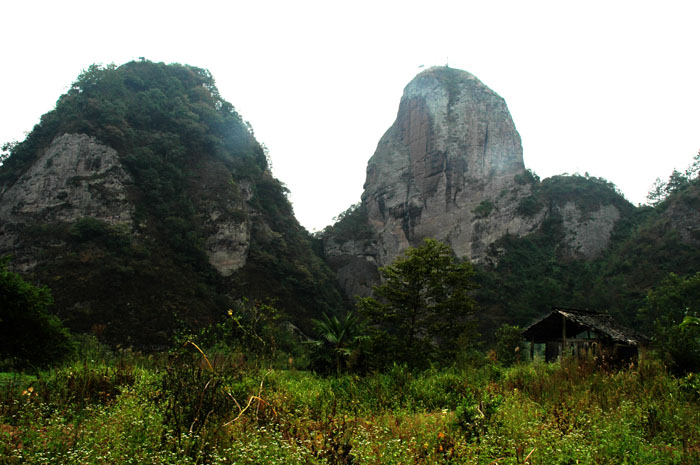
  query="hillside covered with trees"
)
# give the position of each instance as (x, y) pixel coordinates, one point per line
(161, 304)
(195, 169)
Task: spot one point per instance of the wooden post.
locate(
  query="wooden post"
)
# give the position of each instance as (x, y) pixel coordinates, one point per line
(532, 349)
(563, 335)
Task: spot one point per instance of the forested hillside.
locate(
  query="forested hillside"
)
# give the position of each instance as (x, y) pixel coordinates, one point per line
(198, 187)
(524, 277)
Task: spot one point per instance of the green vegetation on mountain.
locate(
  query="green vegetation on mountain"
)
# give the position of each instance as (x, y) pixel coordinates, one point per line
(192, 157)
(29, 334)
(528, 275)
(175, 135)
(666, 314)
(264, 365)
(350, 225)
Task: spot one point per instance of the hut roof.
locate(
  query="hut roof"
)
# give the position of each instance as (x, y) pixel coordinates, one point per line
(550, 326)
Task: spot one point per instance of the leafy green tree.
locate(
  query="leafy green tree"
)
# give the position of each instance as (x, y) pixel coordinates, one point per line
(422, 308)
(6, 150)
(509, 344)
(677, 181)
(338, 340)
(28, 333)
(668, 313)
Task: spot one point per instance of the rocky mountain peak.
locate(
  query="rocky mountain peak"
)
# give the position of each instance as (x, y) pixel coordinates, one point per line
(448, 113)
(451, 168)
(452, 147)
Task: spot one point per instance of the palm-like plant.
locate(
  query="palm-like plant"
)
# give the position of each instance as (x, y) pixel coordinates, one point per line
(339, 338)
(690, 321)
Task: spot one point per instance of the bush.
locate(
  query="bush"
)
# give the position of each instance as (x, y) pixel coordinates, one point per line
(509, 345)
(528, 206)
(28, 333)
(484, 209)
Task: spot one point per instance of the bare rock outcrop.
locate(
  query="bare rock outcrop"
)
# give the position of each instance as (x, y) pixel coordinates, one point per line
(75, 177)
(355, 264)
(587, 235)
(446, 168)
(225, 216)
(451, 168)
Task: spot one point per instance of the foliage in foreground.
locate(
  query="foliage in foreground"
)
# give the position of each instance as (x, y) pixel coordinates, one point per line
(675, 301)
(422, 308)
(185, 411)
(29, 334)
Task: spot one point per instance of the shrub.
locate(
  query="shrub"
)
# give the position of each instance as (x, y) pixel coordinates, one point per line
(484, 209)
(509, 345)
(529, 206)
(28, 333)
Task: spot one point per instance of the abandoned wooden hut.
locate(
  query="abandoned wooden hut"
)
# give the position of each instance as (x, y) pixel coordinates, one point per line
(582, 333)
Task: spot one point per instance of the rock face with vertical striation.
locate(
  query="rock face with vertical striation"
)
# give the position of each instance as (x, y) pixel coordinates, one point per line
(452, 149)
(450, 168)
(75, 177)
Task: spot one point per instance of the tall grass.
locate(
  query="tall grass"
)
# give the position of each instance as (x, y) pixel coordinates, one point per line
(177, 412)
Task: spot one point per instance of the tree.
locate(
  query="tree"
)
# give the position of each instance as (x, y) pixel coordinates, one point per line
(28, 333)
(668, 314)
(338, 340)
(6, 150)
(423, 307)
(660, 190)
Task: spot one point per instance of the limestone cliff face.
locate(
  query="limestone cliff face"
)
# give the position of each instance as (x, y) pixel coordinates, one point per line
(225, 215)
(452, 149)
(451, 168)
(588, 235)
(355, 263)
(77, 176)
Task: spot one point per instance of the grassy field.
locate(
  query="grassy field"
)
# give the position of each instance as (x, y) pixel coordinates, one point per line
(176, 410)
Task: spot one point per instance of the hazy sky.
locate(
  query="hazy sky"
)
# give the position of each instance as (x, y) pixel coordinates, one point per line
(610, 87)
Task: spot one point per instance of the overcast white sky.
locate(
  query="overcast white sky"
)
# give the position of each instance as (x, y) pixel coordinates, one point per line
(611, 88)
